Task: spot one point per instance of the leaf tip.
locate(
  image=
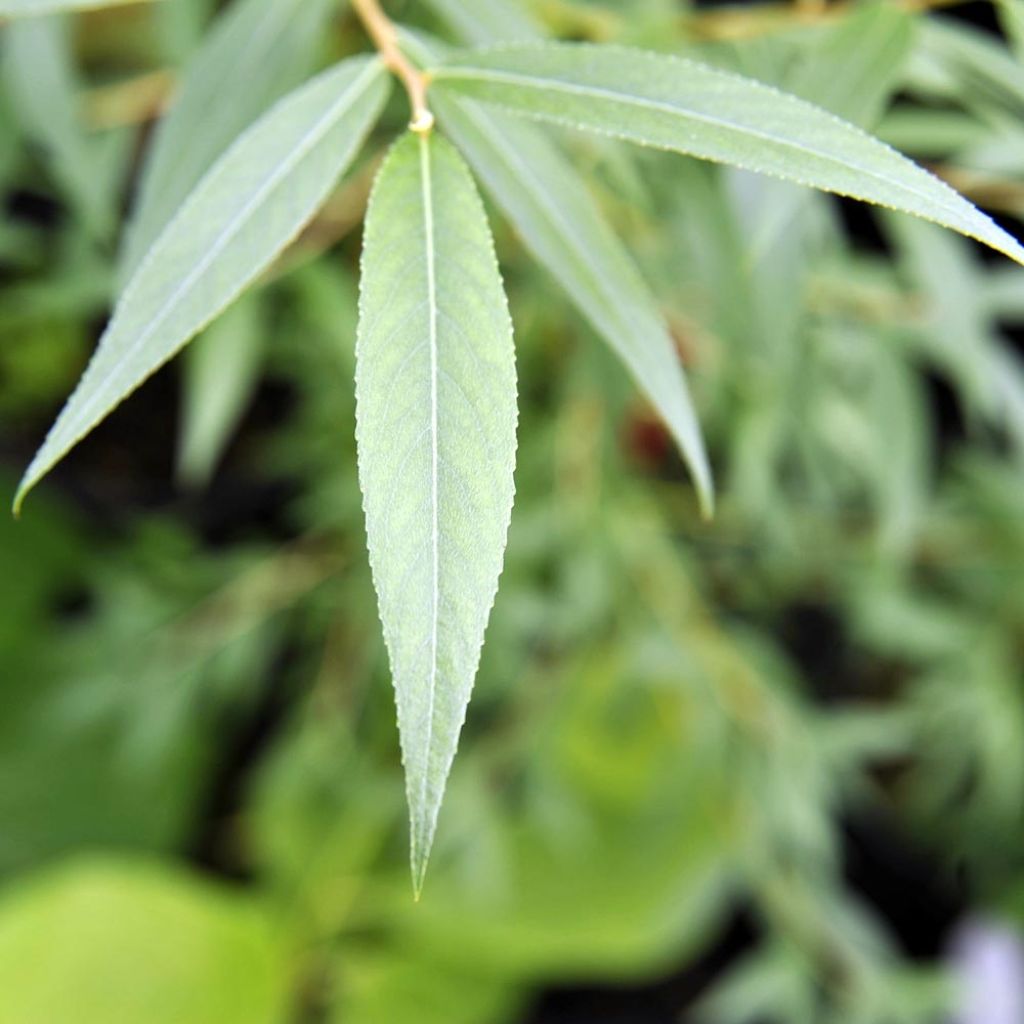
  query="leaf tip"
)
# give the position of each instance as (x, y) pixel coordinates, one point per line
(19, 498)
(419, 859)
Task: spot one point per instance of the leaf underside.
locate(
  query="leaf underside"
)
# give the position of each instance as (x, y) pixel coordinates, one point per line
(675, 104)
(436, 433)
(241, 215)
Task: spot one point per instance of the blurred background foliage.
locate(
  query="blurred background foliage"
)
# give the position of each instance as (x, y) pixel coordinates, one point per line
(764, 769)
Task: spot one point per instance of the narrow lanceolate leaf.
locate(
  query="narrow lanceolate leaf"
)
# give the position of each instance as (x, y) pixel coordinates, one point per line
(495, 21)
(548, 203)
(436, 404)
(255, 53)
(241, 215)
(675, 104)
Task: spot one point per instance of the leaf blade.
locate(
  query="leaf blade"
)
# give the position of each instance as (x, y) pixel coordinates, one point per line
(255, 53)
(436, 468)
(229, 230)
(676, 104)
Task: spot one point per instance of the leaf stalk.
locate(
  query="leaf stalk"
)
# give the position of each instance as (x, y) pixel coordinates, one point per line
(384, 36)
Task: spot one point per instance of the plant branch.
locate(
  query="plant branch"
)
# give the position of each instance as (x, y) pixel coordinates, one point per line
(382, 31)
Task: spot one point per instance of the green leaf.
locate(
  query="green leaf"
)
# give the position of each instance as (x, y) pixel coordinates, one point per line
(100, 941)
(561, 225)
(1011, 17)
(436, 403)
(851, 73)
(675, 104)
(25, 8)
(854, 71)
(254, 54)
(39, 76)
(240, 216)
(222, 369)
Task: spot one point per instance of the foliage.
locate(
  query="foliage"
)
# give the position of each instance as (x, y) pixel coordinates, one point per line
(649, 743)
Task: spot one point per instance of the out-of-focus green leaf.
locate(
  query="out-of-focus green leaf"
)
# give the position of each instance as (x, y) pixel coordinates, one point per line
(255, 53)
(180, 27)
(26, 8)
(379, 989)
(550, 207)
(240, 216)
(496, 21)
(675, 104)
(981, 68)
(39, 76)
(925, 131)
(436, 394)
(854, 71)
(117, 941)
(221, 372)
(957, 333)
(1011, 16)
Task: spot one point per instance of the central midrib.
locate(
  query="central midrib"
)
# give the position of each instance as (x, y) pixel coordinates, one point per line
(428, 230)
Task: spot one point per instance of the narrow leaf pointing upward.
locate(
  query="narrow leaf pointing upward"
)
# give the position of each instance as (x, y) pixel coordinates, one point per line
(436, 394)
(679, 105)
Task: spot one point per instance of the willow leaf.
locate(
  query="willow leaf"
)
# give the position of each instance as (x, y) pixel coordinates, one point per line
(436, 404)
(254, 54)
(240, 216)
(675, 104)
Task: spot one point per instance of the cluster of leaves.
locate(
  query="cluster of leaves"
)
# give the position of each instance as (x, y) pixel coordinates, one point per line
(435, 365)
(678, 757)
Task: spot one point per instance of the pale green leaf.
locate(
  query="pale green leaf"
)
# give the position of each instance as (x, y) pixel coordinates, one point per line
(254, 54)
(675, 104)
(436, 404)
(222, 369)
(113, 941)
(26, 8)
(240, 216)
(982, 68)
(856, 68)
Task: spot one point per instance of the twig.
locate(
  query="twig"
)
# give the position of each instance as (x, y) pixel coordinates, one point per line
(382, 31)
